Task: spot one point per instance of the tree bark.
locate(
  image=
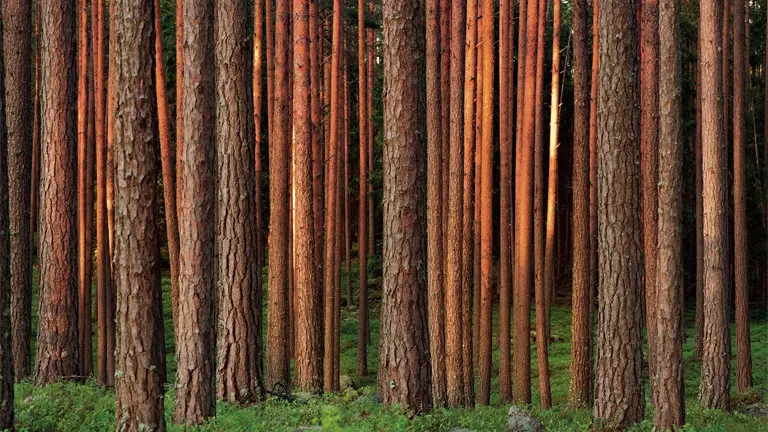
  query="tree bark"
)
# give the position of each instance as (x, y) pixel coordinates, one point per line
(18, 109)
(594, 269)
(404, 379)
(258, 66)
(6, 350)
(740, 236)
(486, 208)
(318, 155)
(619, 400)
(371, 158)
(714, 391)
(362, 214)
(669, 413)
(57, 342)
(195, 344)
(239, 378)
(278, 373)
(139, 377)
(699, 340)
(435, 183)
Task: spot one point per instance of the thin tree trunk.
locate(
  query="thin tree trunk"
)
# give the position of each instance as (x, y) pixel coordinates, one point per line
(258, 65)
(670, 395)
(316, 103)
(506, 29)
(714, 391)
(435, 210)
(57, 331)
(34, 211)
(404, 380)
(6, 358)
(195, 388)
(619, 400)
(478, 183)
(445, 119)
(362, 215)
(486, 208)
(594, 269)
(139, 389)
(371, 159)
(18, 109)
(699, 341)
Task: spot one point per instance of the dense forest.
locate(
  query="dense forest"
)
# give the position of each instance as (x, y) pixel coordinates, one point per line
(384, 215)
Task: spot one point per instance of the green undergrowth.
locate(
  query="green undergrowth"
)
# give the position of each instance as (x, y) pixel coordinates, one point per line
(72, 406)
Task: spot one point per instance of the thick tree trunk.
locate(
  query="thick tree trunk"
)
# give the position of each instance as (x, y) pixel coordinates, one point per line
(278, 373)
(258, 64)
(699, 340)
(445, 118)
(593, 200)
(362, 214)
(649, 142)
(239, 378)
(506, 39)
(453, 278)
(714, 391)
(195, 388)
(18, 109)
(581, 328)
(486, 207)
(139, 385)
(740, 236)
(467, 241)
(318, 155)
(619, 400)
(57, 342)
(668, 381)
(6, 357)
(404, 379)
(435, 184)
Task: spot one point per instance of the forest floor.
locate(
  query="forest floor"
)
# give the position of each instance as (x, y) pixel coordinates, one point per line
(74, 407)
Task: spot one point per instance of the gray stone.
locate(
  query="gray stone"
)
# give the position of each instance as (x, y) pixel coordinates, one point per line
(346, 382)
(520, 420)
(757, 410)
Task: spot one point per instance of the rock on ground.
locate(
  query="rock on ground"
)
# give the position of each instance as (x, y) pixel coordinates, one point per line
(520, 420)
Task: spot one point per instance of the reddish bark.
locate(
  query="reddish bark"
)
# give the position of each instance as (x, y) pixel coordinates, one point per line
(6, 359)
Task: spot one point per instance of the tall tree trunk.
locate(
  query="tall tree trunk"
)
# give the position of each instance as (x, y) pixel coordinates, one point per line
(506, 39)
(619, 400)
(743, 348)
(318, 155)
(57, 342)
(18, 109)
(330, 384)
(649, 142)
(453, 278)
(486, 208)
(167, 160)
(467, 241)
(404, 379)
(104, 298)
(699, 340)
(258, 65)
(714, 391)
(524, 188)
(84, 252)
(445, 119)
(594, 267)
(477, 187)
(435, 210)
(6, 358)
(362, 214)
(371, 139)
(239, 378)
(668, 381)
(34, 211)
(278, 373)
(110, 298)
(581, 328)
(139, 388)
(195, 388)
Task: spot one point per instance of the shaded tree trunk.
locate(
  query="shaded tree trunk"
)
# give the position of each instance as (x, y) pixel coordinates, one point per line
(699, 340)
(594, 269)
(57, 342)
(362, 214)
(195, 388)
(619, 400)
(318, 155)
(668, 381)
(714, 391)
(404, 379)
(139, 385)
(18, 109)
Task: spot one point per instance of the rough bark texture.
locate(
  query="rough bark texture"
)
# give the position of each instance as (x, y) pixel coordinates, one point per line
(593, 198)
(649, 177)
(239, 347)
(362, 220)
(453, 278)
(404, 370)
(477, 186)
(195, 340)
(619, 400)
(258, 64)
(714, 391)
(740, 235)
(139, 375)
(18, 110)
(581, 327)
(435, 232)
(505, 198)
(57, 341)
(699, 339)
(485, 201)
(278, 374)
(6, 357)
(669, 411)
(467, 242)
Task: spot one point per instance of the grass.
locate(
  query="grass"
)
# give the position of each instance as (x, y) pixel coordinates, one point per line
(72, 406)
